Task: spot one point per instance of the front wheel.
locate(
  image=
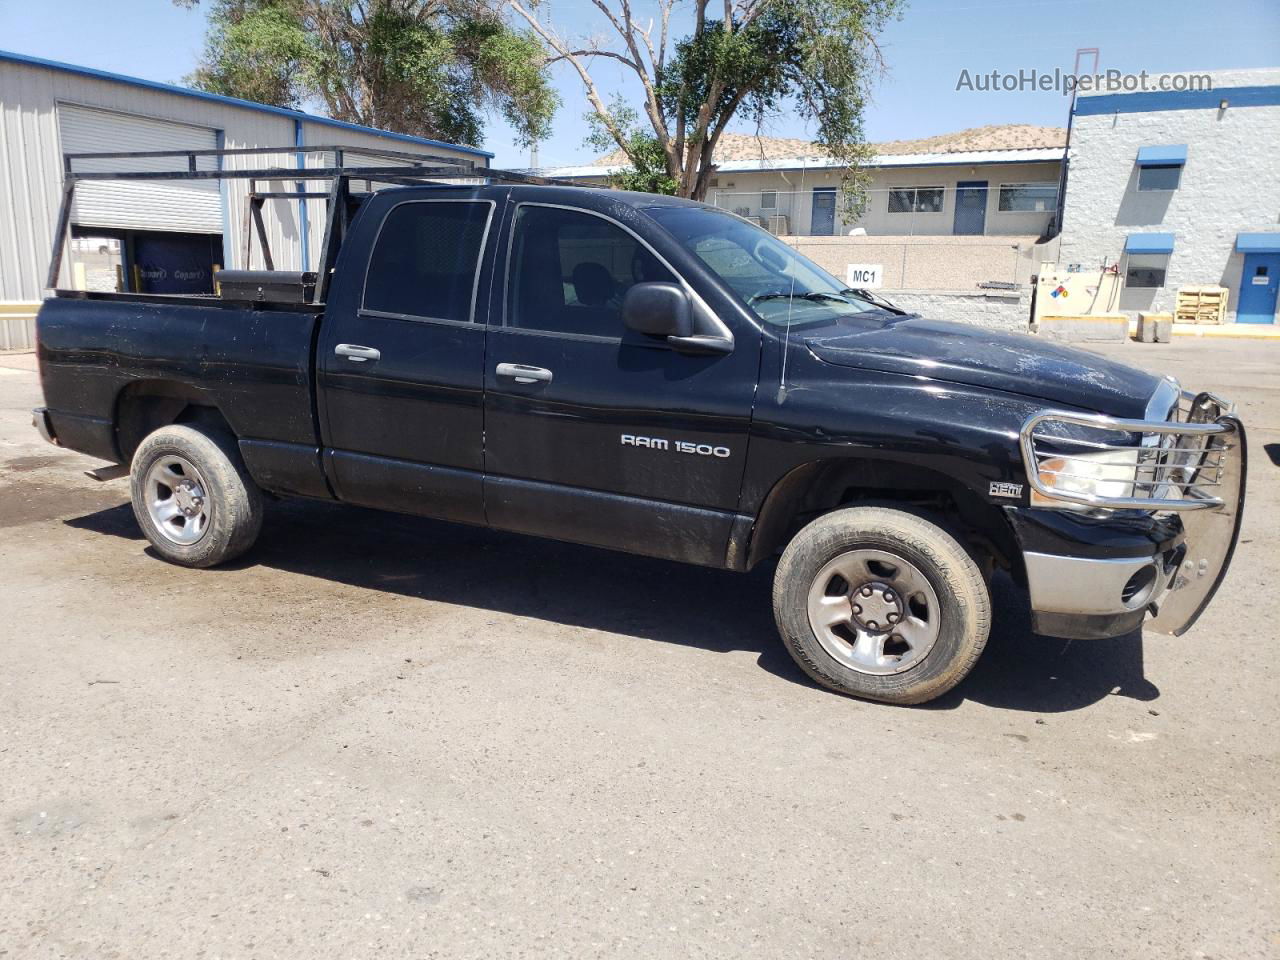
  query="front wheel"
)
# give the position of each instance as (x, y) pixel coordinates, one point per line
(193, 497)
(881, 604)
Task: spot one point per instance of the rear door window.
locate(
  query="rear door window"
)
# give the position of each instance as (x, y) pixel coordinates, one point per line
(425, 260)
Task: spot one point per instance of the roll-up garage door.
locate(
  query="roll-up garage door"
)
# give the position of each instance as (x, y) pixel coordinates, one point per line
(186, 206)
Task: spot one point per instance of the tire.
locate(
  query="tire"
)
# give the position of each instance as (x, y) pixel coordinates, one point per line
(179, 467)
(884, 564)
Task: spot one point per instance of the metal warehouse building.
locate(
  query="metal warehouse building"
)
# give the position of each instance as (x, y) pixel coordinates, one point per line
(155, 236)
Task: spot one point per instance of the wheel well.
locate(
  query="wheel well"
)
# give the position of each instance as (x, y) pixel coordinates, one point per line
(811, 490)
(148, 405)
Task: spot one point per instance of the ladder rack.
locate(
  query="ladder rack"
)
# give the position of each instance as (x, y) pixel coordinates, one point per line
(389, 166)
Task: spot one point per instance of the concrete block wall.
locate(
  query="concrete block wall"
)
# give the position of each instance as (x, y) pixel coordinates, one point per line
(990, 309)
(1230, 184)
(923, 263)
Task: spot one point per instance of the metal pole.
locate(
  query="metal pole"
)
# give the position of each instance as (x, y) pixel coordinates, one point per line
(255, 206)
(60, 232)
(246, 229)
(337, 200)
(304, 224)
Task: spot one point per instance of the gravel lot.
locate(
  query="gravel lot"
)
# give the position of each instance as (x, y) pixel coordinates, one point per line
(382, 734)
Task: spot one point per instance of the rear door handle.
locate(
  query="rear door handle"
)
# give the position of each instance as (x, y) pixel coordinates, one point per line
(356, 353)
(522, 373)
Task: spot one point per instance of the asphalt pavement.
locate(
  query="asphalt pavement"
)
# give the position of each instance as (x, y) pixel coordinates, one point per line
(378, 735)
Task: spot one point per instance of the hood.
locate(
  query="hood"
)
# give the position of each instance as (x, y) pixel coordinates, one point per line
(1009, 362)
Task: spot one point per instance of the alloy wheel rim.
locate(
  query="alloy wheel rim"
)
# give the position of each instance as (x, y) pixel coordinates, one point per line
(874, 612)
(177, 500)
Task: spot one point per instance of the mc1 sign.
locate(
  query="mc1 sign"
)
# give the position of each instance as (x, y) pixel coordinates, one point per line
(864, 276)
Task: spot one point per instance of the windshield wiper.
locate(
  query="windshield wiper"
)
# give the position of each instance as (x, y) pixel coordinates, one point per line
(783, 295)
(868, 297)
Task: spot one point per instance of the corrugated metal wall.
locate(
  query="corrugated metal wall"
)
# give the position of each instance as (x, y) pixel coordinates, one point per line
(30, 179)
(31, 147)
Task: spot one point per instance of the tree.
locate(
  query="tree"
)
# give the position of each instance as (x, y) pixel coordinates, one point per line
(761, 58)
(648, 170)
(424, 67)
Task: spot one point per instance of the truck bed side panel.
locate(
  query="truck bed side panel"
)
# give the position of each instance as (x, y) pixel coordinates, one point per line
(254, 366)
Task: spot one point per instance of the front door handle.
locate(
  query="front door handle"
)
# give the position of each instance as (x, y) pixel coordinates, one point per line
(356, 353)
(523, 373)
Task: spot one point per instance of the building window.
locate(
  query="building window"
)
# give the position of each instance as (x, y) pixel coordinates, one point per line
(916, 199)
(768, 199)
(1160, 167)
(1146, 269)
(1164, 176)
(1028, 197)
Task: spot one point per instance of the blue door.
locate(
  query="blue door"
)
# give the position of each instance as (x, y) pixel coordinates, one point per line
(1258, 288)
(823, 221)
(971, 208)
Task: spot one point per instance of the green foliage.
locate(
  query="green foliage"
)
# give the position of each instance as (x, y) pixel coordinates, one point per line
(647, 172)
(815, 59)
(414, 66)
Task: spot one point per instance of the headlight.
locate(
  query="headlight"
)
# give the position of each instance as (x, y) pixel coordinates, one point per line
(1106, 473)
(1095, 464)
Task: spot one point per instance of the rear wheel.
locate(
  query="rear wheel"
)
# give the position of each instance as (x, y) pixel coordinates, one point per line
(882, 604)
(193, 497)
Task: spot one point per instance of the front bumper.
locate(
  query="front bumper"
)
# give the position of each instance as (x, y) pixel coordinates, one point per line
(1168, 565)
(1096, 597)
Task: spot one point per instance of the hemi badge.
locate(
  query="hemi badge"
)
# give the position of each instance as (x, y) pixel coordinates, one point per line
(1013, 490)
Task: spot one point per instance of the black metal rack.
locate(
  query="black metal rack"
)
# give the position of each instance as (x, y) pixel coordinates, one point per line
(420, 168)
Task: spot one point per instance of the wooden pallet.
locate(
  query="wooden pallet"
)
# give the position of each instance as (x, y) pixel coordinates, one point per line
(1201, 304)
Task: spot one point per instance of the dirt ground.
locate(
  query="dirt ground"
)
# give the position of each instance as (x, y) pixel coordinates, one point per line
(382, 735)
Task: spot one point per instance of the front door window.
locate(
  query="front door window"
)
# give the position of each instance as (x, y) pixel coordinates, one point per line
(570, 271)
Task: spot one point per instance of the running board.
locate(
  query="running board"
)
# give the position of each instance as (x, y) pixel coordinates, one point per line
(112, 471)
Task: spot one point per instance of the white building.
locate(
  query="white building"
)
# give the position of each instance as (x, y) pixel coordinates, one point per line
(1179, 188)
(986, 181)
(160, 236)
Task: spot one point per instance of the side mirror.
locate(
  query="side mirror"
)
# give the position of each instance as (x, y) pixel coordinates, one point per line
(658, 309)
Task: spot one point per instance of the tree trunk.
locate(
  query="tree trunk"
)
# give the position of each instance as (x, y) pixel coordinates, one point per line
(705, 170)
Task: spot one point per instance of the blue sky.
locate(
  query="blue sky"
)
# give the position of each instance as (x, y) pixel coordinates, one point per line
(926, 52)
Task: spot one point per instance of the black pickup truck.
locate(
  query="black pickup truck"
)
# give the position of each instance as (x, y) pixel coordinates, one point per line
(661, 377)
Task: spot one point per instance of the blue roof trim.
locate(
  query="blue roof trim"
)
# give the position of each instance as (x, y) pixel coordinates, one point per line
(1173, 155)
(233, 102)
(1258, 242)
(1153, 100)
(1149, 243)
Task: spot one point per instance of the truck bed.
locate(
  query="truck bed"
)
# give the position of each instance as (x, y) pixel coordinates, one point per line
(251, 362)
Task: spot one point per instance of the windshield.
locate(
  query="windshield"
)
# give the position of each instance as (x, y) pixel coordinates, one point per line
(775, 281)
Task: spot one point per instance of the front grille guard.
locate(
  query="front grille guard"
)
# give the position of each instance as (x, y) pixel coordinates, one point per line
(1183, 464)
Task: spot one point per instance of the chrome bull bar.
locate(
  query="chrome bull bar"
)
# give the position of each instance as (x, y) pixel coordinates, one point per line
(1211, 537)
(1196, 468)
